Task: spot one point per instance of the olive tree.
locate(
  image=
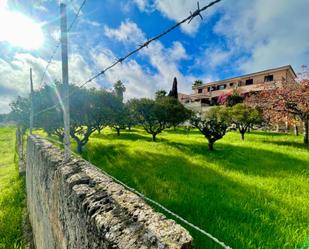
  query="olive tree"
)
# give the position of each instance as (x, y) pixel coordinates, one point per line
(244, 117)
(213, 124)
(157, 115)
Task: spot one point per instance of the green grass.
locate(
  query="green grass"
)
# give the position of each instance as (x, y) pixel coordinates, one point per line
(251, 194)
(11, 193)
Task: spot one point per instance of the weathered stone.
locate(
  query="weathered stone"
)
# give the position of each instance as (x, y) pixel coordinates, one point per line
(74, 205)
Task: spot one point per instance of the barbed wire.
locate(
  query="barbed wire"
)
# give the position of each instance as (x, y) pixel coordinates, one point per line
(150, 200)
(77, 15)
(188, 19)
(59, 43)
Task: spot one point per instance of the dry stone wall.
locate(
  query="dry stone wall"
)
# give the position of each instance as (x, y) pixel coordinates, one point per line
(75, 205)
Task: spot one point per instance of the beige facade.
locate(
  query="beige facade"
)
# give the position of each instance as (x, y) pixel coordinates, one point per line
(207, 94)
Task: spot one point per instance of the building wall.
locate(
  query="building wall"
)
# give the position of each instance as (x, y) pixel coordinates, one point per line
(239, 83)
(73, 205)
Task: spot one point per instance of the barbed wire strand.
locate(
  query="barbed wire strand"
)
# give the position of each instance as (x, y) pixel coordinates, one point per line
(188, 19)
(152, 201)
(58, 43)
(76, 15)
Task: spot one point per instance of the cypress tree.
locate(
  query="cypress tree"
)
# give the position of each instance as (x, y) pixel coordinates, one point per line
(174, 92)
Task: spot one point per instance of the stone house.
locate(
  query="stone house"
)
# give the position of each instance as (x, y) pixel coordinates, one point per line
(207, 95)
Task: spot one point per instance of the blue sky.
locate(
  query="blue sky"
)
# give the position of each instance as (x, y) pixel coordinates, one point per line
(235, 37)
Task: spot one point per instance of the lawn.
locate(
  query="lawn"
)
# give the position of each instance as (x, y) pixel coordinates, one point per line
(11, 192)
(251, 194)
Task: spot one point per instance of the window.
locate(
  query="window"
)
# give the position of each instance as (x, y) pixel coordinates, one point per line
(221, 87)
(268, 78)
(211, 88)
(205, 101)
(231, 84)
(249, 82)
(200, 90)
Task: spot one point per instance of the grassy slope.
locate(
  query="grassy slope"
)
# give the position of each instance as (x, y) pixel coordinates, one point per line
(251, 194)
(11, 192)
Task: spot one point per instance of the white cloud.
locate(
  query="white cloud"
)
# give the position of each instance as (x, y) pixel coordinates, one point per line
(141, 4)
(177, 10)
(40, 7)
(127, 32)
(275, 33)
(213, 57)
(144, 5)
(55, 35)
(90, 22)
(141, 81)
(14, 75)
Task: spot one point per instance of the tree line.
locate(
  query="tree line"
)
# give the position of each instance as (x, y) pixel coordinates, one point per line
(93, 109)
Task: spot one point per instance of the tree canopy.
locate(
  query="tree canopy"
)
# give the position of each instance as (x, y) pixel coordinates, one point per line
(157, 115)
(212, 124)
(119, 89)
(244, 117)
(289, 98)
(197, 83)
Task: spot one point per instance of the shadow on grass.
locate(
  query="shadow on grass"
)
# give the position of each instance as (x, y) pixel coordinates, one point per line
(126, 135)
(248, 160)
(237, 213)
(298, 145)
(122, 136)
(268, 133)
(182, 131)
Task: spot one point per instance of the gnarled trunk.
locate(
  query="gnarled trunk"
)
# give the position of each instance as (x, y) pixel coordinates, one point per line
(210, 145)
(242, 136)
(79, 147)
(242, 131)
(154, 137)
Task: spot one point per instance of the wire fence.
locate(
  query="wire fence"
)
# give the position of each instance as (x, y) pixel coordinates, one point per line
(157, 204)
(187, 19)
(59, 43)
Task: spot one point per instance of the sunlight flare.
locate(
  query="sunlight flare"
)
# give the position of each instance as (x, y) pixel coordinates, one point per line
(19, 30)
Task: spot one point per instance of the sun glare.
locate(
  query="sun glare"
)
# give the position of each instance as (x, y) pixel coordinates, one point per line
(19, 30)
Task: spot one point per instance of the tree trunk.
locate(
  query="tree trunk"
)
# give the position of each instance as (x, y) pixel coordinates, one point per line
(296, 133)
(242, 136)
(79, 148)
(154, 137)
(242, 131)
(99, 131)
(277, 127)
(118, 131)
(306, 127)
(210, 145)
(286, 124)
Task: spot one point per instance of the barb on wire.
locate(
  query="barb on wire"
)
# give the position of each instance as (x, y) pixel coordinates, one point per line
(146, 43)
(197, 12)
